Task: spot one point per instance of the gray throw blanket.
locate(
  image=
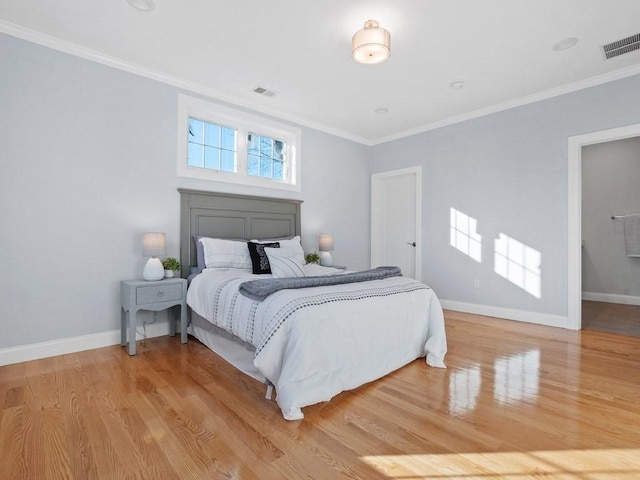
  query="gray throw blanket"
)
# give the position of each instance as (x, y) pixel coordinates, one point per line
(260, 289)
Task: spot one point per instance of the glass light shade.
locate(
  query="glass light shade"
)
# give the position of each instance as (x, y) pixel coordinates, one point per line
(154, 245)
(372, 44)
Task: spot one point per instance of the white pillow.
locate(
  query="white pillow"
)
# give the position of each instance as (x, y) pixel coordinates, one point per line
(220, 253)
(294, 247)
(285, 262)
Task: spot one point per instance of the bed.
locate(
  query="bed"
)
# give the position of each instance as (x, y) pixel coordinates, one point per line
(307, 342)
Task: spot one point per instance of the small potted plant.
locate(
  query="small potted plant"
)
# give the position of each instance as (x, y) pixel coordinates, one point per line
(312, 257)
(171, 265)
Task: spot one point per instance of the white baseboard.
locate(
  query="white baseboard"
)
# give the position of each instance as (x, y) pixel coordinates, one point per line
(611, 298)
(35, 351)
(507, 313)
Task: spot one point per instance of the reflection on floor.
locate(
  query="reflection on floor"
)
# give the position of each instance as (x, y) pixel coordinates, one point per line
(611, 317)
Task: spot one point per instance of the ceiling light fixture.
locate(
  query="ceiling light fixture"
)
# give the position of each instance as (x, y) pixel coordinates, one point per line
(142, 5)
(372, 44)
(457, 85)
(381, 110)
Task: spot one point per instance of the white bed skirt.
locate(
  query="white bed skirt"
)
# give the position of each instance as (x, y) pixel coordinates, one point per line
(235, 351)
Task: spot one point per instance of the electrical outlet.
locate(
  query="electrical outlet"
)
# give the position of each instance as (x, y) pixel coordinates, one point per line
(476, 283)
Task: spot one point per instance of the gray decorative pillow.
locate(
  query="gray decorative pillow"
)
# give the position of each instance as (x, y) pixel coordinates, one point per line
(259, 259)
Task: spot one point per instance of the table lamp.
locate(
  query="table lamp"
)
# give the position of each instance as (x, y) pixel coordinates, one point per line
(154, 245)
(326, 246)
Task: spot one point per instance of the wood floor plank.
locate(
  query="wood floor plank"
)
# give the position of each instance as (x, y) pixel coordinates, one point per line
(57, 462)
(12, 432)
(103, 449)
(517, 401)
(161, 437)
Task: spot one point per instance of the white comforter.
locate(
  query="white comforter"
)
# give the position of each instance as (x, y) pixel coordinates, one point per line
(313, 343)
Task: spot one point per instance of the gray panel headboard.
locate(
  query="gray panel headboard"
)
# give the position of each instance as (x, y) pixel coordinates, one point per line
(222, 215)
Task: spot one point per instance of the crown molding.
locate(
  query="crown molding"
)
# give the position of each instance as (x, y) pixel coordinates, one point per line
(194, 87)
(518, 102)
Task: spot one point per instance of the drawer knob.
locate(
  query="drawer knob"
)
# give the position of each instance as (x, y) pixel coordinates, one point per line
(160, 294)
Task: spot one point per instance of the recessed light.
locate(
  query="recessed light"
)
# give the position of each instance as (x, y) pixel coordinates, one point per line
(142, 5)
(457, 85)
(381, 110)
(565, 44)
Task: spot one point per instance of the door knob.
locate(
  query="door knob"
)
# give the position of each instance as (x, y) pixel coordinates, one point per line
(413, 244)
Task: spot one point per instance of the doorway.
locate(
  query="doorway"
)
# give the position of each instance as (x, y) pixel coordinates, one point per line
(396, 227)
(574, 237)
(610, 277)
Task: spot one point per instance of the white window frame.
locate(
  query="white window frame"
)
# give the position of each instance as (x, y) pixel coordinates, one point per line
(244, 123)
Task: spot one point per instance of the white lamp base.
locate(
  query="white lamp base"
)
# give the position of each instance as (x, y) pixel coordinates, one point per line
(153, 269)
(325, 259)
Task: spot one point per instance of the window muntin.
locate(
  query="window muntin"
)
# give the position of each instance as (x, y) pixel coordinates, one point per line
(265, 153)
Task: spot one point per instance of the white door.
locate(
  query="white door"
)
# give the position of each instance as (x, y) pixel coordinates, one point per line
(395, 220)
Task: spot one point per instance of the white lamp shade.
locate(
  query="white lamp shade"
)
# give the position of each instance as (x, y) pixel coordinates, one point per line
(372, 44)
(325, 243)
(154, 245)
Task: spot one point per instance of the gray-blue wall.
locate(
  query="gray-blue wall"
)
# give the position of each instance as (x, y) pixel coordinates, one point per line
(509, 171)
(88, 156)
(88, 161)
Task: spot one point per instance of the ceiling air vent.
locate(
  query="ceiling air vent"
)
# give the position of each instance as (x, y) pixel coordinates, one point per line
(264, 91)
(621, 47)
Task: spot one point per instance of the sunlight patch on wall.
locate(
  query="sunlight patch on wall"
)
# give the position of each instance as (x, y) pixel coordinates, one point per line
(618, 463)
(464, 388)
(516, 378)
(518, 263)
(464, 235)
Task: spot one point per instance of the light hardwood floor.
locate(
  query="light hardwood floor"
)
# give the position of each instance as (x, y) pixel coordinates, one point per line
(517, 401)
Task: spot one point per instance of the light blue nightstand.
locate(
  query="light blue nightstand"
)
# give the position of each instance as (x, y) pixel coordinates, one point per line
(155, 296)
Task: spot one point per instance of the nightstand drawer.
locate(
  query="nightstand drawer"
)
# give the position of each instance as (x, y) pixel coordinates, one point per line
(158, 293)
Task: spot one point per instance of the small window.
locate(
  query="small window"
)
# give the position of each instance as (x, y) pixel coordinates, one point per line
(222, 144)
(267, 156)
(211, 146)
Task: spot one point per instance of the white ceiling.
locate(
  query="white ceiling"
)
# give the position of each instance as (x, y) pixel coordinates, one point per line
(301, 49)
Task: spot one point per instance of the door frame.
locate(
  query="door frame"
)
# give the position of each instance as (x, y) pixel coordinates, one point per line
(574, 240)
(376, 179)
